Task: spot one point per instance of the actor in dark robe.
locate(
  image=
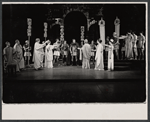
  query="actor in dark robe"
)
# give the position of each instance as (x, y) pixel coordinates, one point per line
(9, 56)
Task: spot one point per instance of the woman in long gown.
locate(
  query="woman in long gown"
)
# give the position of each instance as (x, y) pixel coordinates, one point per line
(49, 55)
(99, 65)
(19, 54)
(110, 56)
(93, 47)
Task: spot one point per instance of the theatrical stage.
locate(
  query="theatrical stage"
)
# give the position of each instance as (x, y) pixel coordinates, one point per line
(72, 84)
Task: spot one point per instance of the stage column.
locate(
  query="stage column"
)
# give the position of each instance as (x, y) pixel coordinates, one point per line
(102, 30)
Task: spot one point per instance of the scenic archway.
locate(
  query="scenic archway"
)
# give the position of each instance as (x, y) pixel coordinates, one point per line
(93, 33)
(55, 32)
(72, 26)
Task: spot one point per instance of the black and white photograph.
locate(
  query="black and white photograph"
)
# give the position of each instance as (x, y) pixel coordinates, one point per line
(74, 53)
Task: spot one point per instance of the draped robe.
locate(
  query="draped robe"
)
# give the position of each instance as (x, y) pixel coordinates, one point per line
(86, 50)
(129, 51)
(38, 55)
(99, 65)
(9, 53)
(19, 55)
(110, 57)
(49, 56)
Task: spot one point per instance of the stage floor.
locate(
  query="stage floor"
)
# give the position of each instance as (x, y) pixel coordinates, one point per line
(74, 72)
(131, 91)
(72, 84)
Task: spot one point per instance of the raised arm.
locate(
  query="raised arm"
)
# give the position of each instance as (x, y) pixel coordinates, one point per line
(39, 46)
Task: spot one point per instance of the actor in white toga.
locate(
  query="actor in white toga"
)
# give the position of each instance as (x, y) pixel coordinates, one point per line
(38, 54)
(49, 55)
(99, 65)
(86, 50)
(110, 55)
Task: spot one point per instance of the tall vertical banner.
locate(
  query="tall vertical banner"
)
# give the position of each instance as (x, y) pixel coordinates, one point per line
(102, 30)
(61, 33)
(45, 30)
(29, 22)
(117, 26)
(82, 33)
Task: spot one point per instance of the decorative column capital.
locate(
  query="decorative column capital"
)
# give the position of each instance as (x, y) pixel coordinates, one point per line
(117, 21)
(101, 22)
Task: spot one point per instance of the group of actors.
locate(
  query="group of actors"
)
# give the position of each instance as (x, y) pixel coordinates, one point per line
(45, 54)
(54, 51)
(14, 55)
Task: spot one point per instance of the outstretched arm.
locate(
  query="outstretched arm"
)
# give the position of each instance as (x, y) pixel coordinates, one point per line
(122, 37)
(106, 45)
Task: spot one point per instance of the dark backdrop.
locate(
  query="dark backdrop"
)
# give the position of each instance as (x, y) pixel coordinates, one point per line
(14, 20)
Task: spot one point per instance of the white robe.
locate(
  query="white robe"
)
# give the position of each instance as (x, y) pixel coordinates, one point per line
(49, 56)
(38, 55)
(110, 57)
(86, 50)
(99, 65)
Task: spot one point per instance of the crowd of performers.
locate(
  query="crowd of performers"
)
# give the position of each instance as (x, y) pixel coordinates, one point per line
(45, 54)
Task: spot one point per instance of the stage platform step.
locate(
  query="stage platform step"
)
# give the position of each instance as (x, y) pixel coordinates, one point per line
(121, 64)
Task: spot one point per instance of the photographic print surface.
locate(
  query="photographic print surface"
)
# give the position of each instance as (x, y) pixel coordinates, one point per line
(74, 53)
